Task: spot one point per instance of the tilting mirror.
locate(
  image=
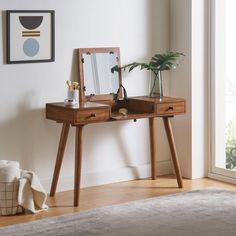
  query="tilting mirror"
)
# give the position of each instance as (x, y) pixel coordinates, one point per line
(96, 79)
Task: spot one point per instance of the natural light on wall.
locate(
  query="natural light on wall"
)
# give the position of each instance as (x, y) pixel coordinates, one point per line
(223, 61)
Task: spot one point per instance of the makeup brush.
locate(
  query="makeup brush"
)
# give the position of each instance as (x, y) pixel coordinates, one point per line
(75, 85)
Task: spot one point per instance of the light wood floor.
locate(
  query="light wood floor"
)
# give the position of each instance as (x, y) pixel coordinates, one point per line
(111, 194)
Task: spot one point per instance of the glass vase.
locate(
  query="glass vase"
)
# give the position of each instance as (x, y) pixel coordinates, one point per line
(156, 88)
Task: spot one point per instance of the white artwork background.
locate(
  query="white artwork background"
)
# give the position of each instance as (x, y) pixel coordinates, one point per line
(17, 41)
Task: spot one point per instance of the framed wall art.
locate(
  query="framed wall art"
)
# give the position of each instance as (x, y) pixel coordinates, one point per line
(30, 36)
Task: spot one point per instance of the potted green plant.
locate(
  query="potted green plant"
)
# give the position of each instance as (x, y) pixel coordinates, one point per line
(158, 63)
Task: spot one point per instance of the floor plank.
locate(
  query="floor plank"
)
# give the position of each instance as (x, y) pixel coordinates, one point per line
(111, 194)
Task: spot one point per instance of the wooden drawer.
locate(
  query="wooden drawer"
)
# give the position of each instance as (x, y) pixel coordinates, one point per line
(92, 115)
(172, 108)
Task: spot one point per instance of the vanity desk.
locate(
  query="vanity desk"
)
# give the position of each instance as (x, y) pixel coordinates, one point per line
(101, 108)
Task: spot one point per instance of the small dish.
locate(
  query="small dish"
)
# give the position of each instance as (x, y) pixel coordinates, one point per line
(69, 102)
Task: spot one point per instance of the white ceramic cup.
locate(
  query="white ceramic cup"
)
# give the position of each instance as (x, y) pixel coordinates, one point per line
(73, 95)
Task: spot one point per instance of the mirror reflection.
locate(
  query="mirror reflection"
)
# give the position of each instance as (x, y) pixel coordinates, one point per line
(98, 78)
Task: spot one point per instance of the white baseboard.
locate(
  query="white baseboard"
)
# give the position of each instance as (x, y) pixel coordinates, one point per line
(222, 178)
(111, 176)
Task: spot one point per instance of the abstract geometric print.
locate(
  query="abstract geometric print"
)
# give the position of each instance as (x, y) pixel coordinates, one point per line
(30, 36)
(31, 45)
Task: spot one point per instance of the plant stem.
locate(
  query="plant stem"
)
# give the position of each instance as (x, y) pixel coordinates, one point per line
(157, 79)
(153, 86)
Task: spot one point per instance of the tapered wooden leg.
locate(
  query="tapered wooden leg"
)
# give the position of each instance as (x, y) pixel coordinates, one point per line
(78, 163)
(60, 154)
(153, 143)
(173, 150)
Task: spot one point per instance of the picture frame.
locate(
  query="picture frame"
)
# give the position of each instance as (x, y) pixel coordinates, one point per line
(30, 36)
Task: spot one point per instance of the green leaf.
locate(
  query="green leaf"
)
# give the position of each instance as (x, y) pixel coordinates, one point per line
(159, 62)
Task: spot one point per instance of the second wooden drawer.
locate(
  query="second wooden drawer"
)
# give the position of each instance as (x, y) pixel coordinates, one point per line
(165, 109)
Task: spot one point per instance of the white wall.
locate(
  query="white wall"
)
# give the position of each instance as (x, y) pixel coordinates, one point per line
(112, 152)
(189, 34)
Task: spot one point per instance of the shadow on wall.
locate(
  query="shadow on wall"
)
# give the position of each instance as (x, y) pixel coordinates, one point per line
(25, 136)
(98, 135)
(33, 141)
(158, 21)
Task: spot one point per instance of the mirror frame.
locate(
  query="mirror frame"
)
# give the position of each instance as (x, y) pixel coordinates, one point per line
(80, 52)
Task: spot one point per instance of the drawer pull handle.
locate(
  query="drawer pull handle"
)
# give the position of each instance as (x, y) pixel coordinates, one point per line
(171, 108)
(93, 115)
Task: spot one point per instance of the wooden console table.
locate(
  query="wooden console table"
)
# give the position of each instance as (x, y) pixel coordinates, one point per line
(86, 113)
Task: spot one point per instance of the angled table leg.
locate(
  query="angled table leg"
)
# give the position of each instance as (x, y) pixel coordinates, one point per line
(60, 154)
(78, 163)
(153, 143)
(173, 150)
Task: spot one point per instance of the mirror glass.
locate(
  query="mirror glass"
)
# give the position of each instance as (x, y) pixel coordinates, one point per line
(98, 78)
